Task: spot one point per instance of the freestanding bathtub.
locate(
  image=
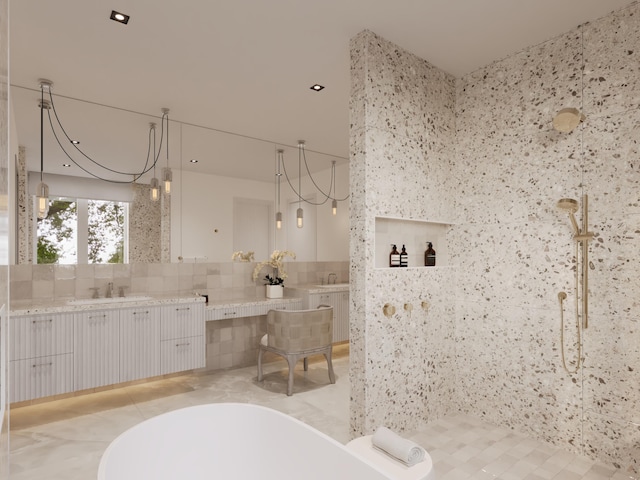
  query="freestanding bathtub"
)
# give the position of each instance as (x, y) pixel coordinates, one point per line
(230, 441)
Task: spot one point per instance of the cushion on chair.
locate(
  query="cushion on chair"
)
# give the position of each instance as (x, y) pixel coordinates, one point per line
(264, 340)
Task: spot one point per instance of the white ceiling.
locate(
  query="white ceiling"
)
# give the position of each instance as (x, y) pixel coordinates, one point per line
(242, 66)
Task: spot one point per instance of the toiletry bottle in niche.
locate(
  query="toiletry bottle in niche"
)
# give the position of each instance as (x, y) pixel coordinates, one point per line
(394, 257)
(404, 257)
(430, 256)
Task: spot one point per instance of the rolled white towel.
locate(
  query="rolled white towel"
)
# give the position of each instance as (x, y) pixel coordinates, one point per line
(400, 448)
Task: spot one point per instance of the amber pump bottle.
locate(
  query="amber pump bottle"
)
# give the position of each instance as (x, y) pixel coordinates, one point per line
(430, 256)
(394, 257)
(404, 257)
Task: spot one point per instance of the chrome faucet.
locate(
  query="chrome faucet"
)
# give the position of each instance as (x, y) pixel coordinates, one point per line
(329, 282)
(110, 290)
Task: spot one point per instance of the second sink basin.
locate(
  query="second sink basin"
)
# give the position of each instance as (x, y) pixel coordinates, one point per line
(100, 301)
(332, 285)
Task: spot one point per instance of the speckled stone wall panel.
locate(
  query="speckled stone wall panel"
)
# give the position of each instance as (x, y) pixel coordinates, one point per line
(145, 229)
(516, 249)
(612, 63)
(402, 126)
(24, 248)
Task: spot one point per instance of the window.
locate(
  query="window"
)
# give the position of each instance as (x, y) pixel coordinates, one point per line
(83, 231)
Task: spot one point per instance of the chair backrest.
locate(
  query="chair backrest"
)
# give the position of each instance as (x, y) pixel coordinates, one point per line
(300, 330)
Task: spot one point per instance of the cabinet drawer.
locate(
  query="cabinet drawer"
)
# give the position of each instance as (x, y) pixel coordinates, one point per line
(182, 320)
(41, 377)
(182, 354)
(41, 335)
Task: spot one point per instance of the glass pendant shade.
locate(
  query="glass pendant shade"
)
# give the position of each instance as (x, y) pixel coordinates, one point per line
(334, 207)
(279, 220)
(42, 199)
(299, 217)
(167, 178)
(155, 189)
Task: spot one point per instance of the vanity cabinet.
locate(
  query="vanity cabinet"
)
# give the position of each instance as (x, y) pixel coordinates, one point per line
(96, 348)
(139, 343)
(63, 352)
(182, 337)
(41, 359)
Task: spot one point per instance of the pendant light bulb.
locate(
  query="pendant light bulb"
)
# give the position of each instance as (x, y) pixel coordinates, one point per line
(155, 189)
(279, 220)
(299, 217)
(167, 178)
(42, 199)
(334, 207)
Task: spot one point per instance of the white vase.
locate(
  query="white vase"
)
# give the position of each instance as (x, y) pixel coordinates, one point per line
(275, 291)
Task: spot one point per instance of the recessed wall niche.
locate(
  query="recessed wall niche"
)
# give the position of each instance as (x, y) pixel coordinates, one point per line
(414, 235)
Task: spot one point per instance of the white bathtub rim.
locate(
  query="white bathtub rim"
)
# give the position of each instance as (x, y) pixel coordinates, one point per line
(102, 467)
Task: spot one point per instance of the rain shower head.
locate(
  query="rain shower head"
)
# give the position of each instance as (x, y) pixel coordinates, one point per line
(570, 206)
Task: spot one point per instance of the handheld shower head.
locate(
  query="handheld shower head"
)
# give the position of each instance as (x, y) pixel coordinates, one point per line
(570, 206)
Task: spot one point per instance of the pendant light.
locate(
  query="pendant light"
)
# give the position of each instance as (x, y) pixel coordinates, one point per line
(299, 211)
(42, 190)
(154, 184)
(278, 176)
(167, 175)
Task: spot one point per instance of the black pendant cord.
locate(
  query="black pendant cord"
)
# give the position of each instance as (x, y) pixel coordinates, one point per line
(136, 175)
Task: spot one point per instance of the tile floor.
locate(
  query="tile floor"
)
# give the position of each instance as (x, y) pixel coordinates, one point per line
(64, 439)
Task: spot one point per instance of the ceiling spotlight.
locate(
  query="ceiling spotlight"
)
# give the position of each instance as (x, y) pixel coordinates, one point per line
(316, 87)
(75, 142)
(119, 17)
(193, 161)
(66, 165)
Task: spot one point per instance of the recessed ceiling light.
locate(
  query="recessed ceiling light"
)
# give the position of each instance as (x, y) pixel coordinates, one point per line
(316, 87)
(66, 164)
(119, 17)
(194, 161)
(75, 142)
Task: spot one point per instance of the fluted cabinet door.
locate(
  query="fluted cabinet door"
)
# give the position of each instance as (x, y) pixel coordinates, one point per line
(183, 354)
(96, 348)
(182, 320)
(40, 377)
(41, 335)
(341, 317)
(139, 343)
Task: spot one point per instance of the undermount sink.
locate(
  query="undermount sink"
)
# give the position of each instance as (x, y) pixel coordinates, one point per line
(332, 285)
(101, 301)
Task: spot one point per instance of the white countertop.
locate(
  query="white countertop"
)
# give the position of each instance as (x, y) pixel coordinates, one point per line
(32, 307)
(317, 288)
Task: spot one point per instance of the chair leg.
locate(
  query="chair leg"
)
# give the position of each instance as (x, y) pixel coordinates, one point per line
(332, 376)
(260, 364)
(291, 360)
(306, 364)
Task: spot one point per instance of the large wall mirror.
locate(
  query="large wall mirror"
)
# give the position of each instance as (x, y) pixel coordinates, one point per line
(223, 195)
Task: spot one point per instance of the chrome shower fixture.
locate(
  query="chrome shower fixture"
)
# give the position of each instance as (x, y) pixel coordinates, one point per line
(567, 119)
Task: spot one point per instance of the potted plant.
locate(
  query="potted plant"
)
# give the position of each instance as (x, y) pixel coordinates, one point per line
(274, 283)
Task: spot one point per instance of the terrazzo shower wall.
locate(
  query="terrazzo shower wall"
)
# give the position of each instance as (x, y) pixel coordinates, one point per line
(402, 136)
(516, 251)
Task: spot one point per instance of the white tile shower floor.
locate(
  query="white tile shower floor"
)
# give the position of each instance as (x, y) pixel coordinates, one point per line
(64, 439)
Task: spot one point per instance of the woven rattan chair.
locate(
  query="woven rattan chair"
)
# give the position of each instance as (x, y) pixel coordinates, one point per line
(296, 334)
